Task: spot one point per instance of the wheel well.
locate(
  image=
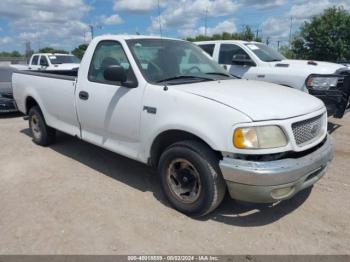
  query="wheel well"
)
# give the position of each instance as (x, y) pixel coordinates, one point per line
(166, 139)
(30, 102)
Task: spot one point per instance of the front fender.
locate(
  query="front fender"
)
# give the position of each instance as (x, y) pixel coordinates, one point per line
(206, 119)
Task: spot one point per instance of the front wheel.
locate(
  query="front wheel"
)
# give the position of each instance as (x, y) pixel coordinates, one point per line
(42, 134)
(191, 178)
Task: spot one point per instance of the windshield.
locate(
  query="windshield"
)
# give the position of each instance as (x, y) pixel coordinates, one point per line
(63, 59)
(174, 62)
(265, 53)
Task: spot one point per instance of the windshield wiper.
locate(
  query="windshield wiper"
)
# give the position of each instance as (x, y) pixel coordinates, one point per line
(274, 60)
(217, 73)
(185, 77)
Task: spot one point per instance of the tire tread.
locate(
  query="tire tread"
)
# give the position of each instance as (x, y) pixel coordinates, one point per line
(48, 133)
(212, 160)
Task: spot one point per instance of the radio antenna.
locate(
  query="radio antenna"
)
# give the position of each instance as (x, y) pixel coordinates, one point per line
(160, 21)
(206, 22)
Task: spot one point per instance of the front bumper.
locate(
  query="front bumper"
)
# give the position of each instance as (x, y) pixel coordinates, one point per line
(271, 181)
(336, 99)
(7, 105)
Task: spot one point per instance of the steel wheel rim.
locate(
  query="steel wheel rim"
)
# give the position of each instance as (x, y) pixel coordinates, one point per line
(184, 181)
(35, 126)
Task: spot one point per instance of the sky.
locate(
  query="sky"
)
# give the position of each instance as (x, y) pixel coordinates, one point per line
(66, 23)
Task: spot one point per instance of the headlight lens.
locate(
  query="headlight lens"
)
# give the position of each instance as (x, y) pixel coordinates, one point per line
(321, 82)
(261, 137)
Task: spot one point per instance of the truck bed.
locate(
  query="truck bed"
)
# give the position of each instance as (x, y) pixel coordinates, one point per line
(59, 74)
(55, 94)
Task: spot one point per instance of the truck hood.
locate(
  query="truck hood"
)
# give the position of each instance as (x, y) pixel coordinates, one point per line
(258, 100)
(310, 67)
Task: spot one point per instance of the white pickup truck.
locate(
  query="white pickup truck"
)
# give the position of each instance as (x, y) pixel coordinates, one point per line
(256, 61)
(53, 62)
(165, 103)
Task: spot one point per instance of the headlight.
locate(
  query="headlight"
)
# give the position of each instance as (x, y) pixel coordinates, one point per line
(261, 137)
(321, 82)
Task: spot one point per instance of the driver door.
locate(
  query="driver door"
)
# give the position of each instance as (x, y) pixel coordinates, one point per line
(109, 113)
(228, 53)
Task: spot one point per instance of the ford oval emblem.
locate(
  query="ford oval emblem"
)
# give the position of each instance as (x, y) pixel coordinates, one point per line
(314, 130)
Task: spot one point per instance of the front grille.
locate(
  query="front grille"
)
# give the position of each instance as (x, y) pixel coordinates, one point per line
(307, 130)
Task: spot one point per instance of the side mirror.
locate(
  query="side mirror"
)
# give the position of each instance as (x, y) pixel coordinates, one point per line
(116, 73)
(242, 60)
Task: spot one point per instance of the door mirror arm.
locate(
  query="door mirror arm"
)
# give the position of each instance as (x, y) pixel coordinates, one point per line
(129, 84)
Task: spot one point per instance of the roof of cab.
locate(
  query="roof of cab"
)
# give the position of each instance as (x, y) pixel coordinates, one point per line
(53, 54)
(227, 41)
(131, 37)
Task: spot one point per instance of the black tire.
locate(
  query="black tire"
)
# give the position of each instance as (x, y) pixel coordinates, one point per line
(204, 163)
(43, 135)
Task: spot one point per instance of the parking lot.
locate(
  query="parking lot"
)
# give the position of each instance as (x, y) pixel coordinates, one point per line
(75, 198)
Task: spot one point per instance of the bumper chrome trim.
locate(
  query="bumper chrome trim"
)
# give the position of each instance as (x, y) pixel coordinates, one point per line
(264, 194)
(278, 172)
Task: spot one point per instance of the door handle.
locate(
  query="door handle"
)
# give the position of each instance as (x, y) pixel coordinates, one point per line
(84, 95)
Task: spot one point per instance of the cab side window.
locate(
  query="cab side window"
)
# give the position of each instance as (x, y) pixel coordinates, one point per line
(35, 60)
(209, 49)
(228, 52)
(108, 53)
(43, 61)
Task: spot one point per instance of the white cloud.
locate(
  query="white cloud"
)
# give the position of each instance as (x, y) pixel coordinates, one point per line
(306, 9)
(112, 20)
(135, 6)
(42, 10)
(5, 40)
(265, 4)
(46, 21)
(184, 15)
(60, 22)
(228, 26)
(278, 28)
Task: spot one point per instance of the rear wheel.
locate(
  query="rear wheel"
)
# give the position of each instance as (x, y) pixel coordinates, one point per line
(191, 178)
(42, 134)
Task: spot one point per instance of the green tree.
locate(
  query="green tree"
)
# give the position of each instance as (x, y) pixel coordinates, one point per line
(326, 37)
(11, 54)
(52, 50)
(287, 52)
(80, 51)
(246, 34)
